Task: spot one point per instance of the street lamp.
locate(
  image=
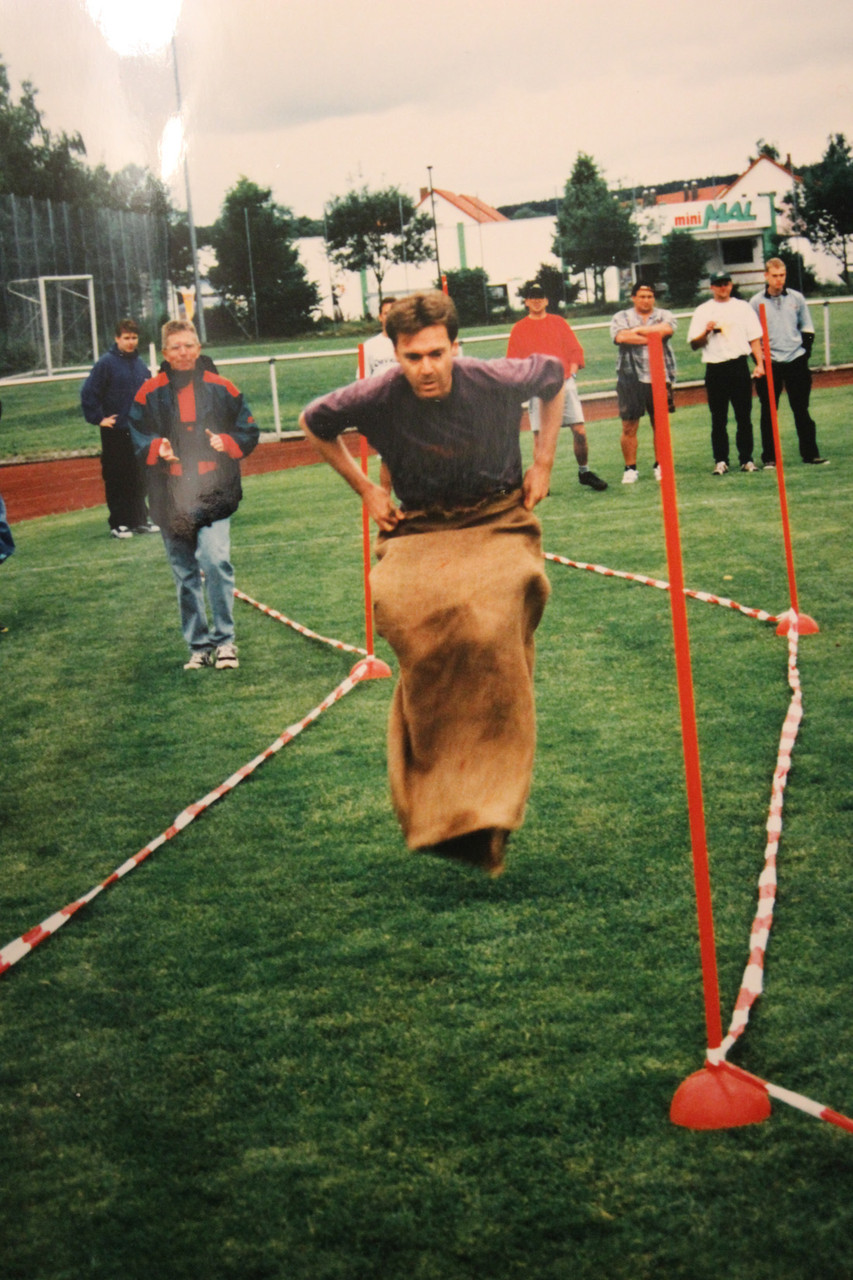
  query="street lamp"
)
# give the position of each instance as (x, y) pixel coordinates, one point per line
(434, 225)
(191, 224)
(122, 31)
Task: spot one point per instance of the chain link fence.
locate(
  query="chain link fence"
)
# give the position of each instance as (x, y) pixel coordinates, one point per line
(126, 255)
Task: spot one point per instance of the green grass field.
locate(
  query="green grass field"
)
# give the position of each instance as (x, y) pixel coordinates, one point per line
(283, 1047)
(43, 420)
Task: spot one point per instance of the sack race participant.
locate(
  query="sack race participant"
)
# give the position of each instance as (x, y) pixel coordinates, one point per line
(459, 587)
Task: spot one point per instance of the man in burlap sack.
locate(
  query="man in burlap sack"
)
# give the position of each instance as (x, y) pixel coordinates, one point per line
(459, 587)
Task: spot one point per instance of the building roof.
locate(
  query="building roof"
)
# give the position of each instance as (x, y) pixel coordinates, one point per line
(785, 168)
(471, 206)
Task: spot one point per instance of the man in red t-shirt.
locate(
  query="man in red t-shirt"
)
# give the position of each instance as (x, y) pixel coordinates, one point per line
(541, 332)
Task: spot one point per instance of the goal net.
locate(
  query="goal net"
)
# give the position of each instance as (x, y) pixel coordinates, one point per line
(52, 319)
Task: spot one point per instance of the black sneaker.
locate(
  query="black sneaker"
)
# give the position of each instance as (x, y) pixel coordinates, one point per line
(591, 479)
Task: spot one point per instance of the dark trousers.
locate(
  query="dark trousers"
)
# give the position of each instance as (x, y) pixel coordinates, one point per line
(795, 377)
(122, 482)
(730, 383)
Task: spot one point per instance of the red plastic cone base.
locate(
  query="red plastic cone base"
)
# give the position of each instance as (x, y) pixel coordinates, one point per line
(805, 625)
(715, 1098)
(371, 669)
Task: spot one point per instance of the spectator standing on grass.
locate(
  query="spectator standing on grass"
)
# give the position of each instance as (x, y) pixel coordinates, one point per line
(379, 350)
(459, 587)
(190, 428)
(790, 333)
(542, 333)
(726, 330)
(106, 398)
(630, 330)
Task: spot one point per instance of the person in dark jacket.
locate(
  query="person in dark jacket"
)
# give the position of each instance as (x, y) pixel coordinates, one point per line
(190, 427)
(106, 399)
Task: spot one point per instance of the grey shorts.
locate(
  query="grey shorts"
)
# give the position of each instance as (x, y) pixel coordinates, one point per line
(572, 409)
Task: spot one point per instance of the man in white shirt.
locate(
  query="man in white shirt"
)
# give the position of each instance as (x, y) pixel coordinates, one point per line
(726, 330)
(379, 350)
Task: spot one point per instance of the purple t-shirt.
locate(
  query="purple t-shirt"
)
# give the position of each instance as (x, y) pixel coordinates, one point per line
(443, 452)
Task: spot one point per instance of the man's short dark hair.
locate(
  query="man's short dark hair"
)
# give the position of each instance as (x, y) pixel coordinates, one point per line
(126, 326)
(643, 284)
(421, 311)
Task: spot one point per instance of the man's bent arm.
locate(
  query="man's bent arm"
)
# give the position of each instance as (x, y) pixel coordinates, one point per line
(378, 502)
(537, 479)
(638, 337)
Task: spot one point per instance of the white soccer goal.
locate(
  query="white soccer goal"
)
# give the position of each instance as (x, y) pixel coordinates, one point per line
(55, 317)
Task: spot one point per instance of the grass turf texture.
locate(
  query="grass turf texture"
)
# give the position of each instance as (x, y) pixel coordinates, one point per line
(284, 1047)
(43, 420)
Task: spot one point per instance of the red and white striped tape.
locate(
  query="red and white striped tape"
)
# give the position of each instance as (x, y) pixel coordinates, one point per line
(752, 982)
(15, 951)
(705, 596)
(297, 626)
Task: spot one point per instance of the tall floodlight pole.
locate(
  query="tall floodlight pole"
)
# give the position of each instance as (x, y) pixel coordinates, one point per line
(434, 225)
(193, 246)
(251, 271)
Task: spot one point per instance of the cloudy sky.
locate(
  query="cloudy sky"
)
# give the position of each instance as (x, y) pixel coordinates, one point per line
(313, 98)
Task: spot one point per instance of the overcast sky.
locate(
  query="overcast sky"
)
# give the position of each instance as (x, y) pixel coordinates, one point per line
(313, 98)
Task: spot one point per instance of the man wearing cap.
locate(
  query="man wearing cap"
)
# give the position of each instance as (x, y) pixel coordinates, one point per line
(542, 333)
(790, 333)
(726, 330)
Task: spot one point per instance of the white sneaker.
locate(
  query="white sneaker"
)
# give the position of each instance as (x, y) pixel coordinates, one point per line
(748, 466)
(226, 656)
(199, 658)
(630, 475)
(721, 469)
(121, 532)
(656, 471)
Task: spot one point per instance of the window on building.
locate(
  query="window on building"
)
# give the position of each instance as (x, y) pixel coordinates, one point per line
(738, 250)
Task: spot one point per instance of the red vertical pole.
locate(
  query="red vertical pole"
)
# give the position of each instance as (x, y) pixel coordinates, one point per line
(689, 734)
(805, 625)
(372, 667)
(365, 531)
(710, 1098)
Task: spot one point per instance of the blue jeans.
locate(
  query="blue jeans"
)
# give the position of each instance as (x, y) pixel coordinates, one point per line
(213, 555)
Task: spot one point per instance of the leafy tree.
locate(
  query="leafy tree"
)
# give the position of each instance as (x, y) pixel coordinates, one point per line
(372, 230)
(467, 288)
(823, 210)
(594, 231)
(768, 149)
(557, 288)
(34, 162)
(683, 263)
(253, 241)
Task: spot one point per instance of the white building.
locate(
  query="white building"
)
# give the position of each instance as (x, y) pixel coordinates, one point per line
(734, 220)
(469, 232)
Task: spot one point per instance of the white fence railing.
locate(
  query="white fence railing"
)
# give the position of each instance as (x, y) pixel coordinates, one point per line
(285, 357)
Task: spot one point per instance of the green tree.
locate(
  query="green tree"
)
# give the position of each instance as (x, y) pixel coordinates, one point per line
(468, 289)
(373, 230)
(768, 149)
(34, 162)
(594, 231)
(258, 272)
(823, 210)
(557, 288)
(683, 264)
